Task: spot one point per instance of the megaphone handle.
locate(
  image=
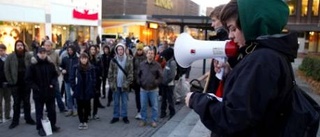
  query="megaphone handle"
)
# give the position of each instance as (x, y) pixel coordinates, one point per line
(220, 74)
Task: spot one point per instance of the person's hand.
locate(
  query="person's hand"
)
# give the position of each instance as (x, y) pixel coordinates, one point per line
(219, 65)
(187, 99)
(64, 71)
(51, 86)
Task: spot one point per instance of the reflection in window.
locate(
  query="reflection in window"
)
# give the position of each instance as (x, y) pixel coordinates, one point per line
(292, 4)
(315, 7)
(304, 8)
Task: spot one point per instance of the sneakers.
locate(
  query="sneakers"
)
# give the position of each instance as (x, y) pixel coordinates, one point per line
(83, 126)
(138, 116)
(114, 120)
(68, 113)
(142, 124)
(125, 120)
(162, 115)
(41, 132)
(31, 122)
(13, 125)
(74, 113)
(154, 124)
(55, 129)
(95, 117)
(80, 127)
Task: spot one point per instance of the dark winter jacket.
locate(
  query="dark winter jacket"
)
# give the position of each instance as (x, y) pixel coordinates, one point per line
(136, 62)
(67, 64)
(11, 66)
(169, 72)
(39, 76)
(252, 104)
(104, 63)
(150, 75)
(83, 87)
(3, 79)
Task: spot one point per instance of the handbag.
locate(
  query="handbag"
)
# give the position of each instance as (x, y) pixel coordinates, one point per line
(46, 125)
(196, 86)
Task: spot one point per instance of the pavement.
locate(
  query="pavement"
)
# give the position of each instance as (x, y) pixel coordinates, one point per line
(103, 128)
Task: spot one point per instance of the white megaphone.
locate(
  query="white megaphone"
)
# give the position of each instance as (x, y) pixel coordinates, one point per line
(187, 50)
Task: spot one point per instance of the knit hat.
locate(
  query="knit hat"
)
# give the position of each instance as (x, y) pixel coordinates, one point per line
(41, 49)
(139, 46)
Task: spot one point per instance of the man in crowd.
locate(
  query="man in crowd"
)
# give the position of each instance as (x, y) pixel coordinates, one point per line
(41, 77)
(48, 45)
(15, 68)
(149, 77)
(4, 90)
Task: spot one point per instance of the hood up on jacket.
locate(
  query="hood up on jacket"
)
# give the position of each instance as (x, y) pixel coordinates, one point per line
(263, 21)
(124, 49)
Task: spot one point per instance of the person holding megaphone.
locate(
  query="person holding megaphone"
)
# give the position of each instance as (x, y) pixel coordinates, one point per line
(251, 93)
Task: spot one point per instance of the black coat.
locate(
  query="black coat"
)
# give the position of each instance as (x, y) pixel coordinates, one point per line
(83, 87)
(67, 63)
(39, 76)
(104, 63)
(250, 106)
(2, 76)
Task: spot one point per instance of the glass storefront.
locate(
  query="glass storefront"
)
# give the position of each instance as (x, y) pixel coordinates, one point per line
(315, 7)
(304, 8)
(12, 31)
(62, 33)
(292, 4)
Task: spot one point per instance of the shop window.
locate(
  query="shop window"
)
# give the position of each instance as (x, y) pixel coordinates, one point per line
(304, 8)
(10, 32)
(315, 7)
(60, 34)
(292, 4)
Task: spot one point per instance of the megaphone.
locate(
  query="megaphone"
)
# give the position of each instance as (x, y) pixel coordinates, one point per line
(187, 49)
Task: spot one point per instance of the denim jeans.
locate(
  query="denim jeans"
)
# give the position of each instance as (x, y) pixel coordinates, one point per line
(70, 100)
(118, 96)
(145, 96)
(58, 96)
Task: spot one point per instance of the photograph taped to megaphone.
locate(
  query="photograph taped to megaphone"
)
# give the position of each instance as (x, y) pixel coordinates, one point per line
(188, 50)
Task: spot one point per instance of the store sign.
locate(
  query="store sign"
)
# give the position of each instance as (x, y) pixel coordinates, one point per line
(153, 25)
(167, 4)
(84, 15)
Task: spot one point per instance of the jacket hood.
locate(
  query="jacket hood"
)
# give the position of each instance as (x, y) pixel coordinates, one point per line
(118, 45)
(262, 17)
(286, 44)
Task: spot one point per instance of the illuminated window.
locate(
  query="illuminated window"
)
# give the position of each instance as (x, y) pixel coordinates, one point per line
(304, 8)
(292, 4)
(315, 7)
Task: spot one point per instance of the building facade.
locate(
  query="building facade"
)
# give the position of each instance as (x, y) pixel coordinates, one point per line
(59, 19)
(304, 18)
(124, 17)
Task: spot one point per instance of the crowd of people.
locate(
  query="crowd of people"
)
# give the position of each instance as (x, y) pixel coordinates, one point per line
(150, 71)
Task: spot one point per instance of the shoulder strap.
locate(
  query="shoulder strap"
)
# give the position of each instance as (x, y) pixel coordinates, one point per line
(121, 68)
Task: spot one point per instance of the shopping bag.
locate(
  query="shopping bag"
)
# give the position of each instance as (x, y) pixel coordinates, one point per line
(182, 87)
(46, 126)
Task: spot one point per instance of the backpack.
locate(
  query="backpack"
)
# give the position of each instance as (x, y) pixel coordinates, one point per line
(304, 115)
